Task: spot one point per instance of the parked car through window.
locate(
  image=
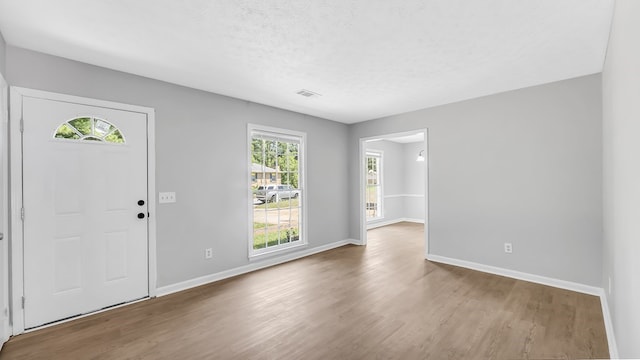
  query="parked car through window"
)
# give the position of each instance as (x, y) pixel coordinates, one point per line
(272, 193)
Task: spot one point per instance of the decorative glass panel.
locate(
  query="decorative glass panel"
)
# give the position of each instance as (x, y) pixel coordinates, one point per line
(91, 129)
(115, 137)
(65, 131)
(102, 127)
(83, 125)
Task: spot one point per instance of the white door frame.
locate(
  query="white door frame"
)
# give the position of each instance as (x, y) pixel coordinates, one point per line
(4, 221)
(362, 189)
(16, 189)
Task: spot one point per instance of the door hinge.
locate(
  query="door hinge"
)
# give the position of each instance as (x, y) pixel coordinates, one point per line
(22, 213)
(23, 300)
(21, 125)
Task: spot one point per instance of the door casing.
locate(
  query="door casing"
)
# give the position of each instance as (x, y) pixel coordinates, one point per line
(16, 189)
(4, 223)
(362, 188)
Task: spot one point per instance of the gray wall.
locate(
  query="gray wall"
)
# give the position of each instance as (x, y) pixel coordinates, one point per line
(621, 153)
(392, 179)
(3, 52)
(201, 151)
(403, 180)
(414, 178)
(523, 166)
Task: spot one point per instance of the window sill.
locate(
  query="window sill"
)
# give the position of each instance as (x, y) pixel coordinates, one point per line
(277, 252)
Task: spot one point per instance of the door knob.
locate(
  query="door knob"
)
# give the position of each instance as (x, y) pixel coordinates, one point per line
(140, 202)
(140, 215)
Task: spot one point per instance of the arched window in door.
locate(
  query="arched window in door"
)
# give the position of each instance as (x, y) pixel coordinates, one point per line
(91, 129)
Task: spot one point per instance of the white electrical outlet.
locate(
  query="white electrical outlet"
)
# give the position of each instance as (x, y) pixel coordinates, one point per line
(208, 253)
(508, 248)
(166, 197)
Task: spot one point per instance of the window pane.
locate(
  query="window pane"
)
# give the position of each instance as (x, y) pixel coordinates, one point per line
(259, 236)
(295, 232)
(257, 151)
(270, 159)
(83, 125)
(115, 137)
(101, 127)
(272, 236)
(65, 131)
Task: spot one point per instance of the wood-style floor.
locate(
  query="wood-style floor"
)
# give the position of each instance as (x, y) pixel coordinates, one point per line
(382, 301)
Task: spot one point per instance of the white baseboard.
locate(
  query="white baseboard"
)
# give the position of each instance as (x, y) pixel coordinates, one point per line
(8, 330)
(378, 224)
(373, 225)
(562, 284)
(417, 221)
(608, 325)
(257, 265)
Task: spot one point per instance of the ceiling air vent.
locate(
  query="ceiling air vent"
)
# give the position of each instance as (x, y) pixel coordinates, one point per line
(307, 93)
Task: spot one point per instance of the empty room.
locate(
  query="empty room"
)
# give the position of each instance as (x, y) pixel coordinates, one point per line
(319, 179)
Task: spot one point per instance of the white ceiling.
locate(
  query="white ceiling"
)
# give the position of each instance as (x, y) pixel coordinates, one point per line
(367, 58)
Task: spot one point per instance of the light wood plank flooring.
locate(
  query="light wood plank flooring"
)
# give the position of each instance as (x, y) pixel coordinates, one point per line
(379, 301)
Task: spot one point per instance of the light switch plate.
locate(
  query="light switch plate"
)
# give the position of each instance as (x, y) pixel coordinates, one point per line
(166, 197)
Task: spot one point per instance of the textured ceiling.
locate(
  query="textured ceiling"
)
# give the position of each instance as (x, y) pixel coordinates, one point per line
(366, 58)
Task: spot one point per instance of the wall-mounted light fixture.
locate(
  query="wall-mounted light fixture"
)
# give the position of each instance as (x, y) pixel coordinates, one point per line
(420, 156)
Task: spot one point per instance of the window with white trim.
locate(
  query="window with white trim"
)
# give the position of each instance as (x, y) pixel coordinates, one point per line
(276, 162)
(373, 180)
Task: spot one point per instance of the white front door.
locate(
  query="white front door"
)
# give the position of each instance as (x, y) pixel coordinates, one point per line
(85, 208)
